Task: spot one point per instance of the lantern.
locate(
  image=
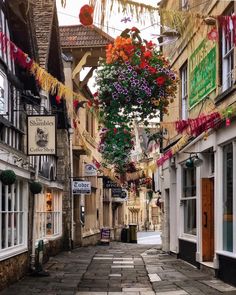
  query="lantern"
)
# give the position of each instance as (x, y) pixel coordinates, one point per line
(86, 15)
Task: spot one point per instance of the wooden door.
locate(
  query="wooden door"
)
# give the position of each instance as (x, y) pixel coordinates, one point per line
(208, 219)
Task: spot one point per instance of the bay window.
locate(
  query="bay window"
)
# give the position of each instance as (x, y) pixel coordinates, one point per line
(13, 218)
(48, 214)
(189, 200)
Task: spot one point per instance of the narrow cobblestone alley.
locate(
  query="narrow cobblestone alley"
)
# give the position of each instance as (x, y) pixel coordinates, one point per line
(127, 269)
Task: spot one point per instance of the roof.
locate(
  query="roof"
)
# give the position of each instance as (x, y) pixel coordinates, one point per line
(81, 36)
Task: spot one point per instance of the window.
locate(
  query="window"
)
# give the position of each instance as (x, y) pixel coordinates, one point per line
(90, 122)
(184, 91)
(13, 218)
(228, 197)
(227, 56)
(189, 200)
(48, 214)
(184, 4)
(3, 94)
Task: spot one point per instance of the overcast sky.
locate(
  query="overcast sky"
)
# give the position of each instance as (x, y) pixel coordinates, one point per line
(69, 16)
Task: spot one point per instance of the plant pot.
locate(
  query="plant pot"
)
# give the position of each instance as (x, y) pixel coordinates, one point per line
(35, 187)
(8, 177)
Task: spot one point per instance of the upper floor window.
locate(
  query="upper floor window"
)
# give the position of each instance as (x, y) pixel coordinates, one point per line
(184, 91)
(227, 53)
(184, 4)
(3, 94)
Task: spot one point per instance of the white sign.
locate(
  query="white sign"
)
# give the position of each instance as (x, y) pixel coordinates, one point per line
(90, 170)
(81, 187)
(41, 135)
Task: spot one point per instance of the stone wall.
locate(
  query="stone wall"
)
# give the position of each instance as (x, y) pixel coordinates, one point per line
(63, 175)
(12, 269)
(91, 240)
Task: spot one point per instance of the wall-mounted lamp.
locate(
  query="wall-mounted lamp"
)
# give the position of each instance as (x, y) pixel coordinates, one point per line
(193, 161)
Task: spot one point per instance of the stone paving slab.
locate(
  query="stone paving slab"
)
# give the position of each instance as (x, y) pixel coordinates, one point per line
(119, 269)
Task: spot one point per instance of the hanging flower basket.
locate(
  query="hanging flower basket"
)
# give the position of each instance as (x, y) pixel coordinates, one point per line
(135, 80)
(35, 187)
(8, 177)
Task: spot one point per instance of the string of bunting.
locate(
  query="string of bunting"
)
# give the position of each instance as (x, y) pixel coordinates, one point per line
(45, 80)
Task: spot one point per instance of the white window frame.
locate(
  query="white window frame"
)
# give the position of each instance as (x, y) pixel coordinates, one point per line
(227, 59)
(4, 109)
(185, 4)
(17, 236)
(184, 91)
(183, 201)
(46, 215)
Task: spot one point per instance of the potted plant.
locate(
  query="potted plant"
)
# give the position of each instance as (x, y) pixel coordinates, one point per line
(35, 187)
(8, 177)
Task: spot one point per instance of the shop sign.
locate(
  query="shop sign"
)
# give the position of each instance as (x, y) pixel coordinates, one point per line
(202, 72)
(116, 192)
(90, 170)
(107, 183)
(81, 187)
(121, 197)
(41, 135)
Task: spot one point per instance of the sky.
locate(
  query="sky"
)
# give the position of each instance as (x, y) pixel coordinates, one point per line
(69, 16)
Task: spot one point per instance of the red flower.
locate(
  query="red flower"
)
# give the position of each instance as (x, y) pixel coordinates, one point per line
(134, 29)
(152, 70)
(129, 49)
(115, 130)
(75, 104)
(143, 64)
(75, 124)
(147, 54)
(160, 80)
(150, 44)
(89, 103)
(95, 94)
(58, 99)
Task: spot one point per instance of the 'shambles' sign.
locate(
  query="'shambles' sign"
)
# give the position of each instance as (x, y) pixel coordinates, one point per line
(41, 135)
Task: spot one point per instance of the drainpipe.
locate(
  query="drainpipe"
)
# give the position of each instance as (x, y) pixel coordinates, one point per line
(32, 261)
(71, 235)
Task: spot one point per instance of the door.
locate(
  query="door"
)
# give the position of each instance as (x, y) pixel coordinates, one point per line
(207, 219)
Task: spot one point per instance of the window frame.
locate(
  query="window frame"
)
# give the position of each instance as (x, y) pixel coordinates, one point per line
(20, 229)
(43, 213)
(184, 91)
(184, 200)
(227, 57)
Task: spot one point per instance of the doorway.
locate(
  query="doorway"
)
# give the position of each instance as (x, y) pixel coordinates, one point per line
(207, 219)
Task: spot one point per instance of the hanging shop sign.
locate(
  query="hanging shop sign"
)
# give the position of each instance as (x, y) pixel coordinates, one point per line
(107, 183)
(90, 170)
(116, 192)
(202, 72)
(119, 196)
(81, 187)
(41, 135)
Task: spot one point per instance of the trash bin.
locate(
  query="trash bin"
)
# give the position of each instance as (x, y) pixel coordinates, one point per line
(125, 235)
(133, 233)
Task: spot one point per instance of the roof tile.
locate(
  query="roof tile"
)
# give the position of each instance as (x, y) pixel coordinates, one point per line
(80, 36)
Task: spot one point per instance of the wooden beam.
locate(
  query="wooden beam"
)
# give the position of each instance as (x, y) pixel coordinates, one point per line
(81, 63)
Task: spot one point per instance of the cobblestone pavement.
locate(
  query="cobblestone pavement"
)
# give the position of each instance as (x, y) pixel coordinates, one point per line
(119, 269)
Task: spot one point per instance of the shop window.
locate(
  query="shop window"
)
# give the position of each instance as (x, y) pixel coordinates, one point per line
(48, 215)
(13, 219)
(189, 200)
(184, 91)
(227, 48)
(228, 197)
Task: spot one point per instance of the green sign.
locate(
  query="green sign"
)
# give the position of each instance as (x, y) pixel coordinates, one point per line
(202, 72)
